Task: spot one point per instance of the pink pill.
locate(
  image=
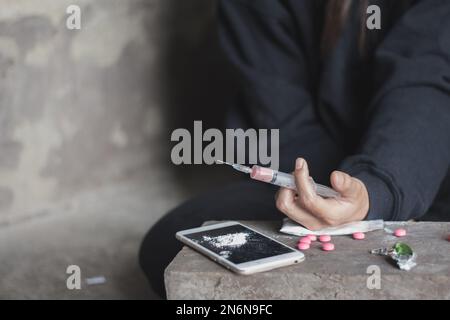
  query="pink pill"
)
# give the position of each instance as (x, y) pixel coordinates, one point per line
(359, 235)
(400, 232)
(312, 237)
(305, 240)
(328, 246)
(324, 238)
(303, 246)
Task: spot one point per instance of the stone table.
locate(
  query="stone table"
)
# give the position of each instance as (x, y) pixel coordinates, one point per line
(341, 274)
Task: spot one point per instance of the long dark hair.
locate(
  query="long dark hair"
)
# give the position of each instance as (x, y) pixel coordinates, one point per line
(337, 13)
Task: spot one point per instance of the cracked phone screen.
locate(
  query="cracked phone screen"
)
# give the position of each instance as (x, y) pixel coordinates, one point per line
(239, 244)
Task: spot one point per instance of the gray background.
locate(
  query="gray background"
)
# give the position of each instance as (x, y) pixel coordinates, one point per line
(85, 123)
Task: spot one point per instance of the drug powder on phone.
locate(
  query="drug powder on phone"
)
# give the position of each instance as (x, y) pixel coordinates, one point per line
(228, 240)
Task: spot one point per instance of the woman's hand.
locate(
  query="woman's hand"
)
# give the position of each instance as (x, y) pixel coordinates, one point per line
(314, 212)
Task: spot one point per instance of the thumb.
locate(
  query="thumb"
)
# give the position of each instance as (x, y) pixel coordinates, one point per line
(302, 181)
(344, 184)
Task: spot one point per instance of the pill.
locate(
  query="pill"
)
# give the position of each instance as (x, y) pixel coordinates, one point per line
(312, 237)
(303, 246)
(359, 235)
(400, 232)
(305, 240)
(328, 246)
(324, 238)
(448, 238)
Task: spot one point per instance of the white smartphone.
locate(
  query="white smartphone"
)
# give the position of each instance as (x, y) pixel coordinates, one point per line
(239, 247)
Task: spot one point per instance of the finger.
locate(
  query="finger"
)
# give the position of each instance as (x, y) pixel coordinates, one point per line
(306, 219)
(286, 203)
(308, 197)
(288, 206)
(301, 175)
(285, 200)
(346, 185)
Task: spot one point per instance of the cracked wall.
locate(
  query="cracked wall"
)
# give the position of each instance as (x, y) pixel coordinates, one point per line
(80, 108)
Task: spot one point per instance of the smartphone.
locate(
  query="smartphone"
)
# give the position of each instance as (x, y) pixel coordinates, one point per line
(240, 248)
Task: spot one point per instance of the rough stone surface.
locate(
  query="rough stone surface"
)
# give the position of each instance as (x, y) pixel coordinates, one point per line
(341, 274)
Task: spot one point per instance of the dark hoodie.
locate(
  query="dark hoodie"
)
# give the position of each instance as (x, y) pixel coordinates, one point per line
(382, 116)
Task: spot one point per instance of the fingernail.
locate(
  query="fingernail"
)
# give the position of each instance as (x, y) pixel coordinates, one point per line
(339, 179)
(299, 163)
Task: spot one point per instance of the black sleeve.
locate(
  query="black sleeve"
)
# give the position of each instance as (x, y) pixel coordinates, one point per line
(405, 154)
(270, 50)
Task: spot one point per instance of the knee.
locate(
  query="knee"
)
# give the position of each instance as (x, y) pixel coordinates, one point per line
(160, 246)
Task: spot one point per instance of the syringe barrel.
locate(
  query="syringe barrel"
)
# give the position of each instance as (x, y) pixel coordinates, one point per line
(287, 180)
(283, 180)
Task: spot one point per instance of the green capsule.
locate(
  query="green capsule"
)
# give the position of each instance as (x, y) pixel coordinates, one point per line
(402, 249)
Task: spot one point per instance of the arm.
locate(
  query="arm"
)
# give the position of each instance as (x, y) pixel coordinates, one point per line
(405, 154)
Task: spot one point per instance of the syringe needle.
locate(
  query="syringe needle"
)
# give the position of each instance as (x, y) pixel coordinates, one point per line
(223, 162)
(235, 166)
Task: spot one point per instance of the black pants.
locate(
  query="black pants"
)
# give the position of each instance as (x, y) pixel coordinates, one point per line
(247, 200)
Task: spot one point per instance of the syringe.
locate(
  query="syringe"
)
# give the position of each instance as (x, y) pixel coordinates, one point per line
(279, 178)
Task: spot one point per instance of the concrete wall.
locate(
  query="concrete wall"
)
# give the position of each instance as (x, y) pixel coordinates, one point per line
(83, 108)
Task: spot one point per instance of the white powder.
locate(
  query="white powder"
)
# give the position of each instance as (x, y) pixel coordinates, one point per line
(228, 240)
(225, 254)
